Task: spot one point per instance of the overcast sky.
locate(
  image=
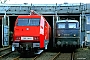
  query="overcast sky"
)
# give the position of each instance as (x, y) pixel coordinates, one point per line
(46, 1)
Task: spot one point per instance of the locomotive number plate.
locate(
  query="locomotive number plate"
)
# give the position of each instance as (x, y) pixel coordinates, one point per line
(26, 38)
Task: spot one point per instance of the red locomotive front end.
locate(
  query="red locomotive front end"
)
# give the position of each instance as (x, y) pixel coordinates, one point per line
(31, 32)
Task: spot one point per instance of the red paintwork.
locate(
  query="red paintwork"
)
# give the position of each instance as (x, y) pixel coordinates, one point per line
(35, 31)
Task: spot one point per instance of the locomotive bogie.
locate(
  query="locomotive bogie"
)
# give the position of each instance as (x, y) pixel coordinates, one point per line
(28, 46)
(66, 42)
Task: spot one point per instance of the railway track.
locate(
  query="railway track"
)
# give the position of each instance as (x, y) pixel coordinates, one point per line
(50, 56)
(18, 58)
(5, 48)
(63, 56)
(46, 56)
(5, 52)
(10, 56)
(42, 56)
(33, 58)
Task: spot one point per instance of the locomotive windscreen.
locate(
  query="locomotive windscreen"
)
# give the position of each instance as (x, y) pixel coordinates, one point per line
(28, 22)
(61, 25)
(69, 25)
(72, 25)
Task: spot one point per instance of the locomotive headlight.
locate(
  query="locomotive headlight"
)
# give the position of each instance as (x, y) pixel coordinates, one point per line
(35, 38)
(58, 34)
(58, 43)
(17, 37)
(74, 35)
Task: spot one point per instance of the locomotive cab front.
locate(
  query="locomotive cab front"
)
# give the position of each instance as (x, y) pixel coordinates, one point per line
(31, 33)
(26, 33)
(67, 33)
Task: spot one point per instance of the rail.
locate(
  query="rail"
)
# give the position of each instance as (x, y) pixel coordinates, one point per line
(63, 56)
(5, 52)
(56, 56)
(72, 56)
(5, 48)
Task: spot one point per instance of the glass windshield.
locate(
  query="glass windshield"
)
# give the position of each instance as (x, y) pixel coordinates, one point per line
(61, 25)
(88, 37)
(88, 20)
(72, 25)
(28, 22)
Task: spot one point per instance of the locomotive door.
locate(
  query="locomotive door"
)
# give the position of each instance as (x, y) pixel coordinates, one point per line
(5, 30)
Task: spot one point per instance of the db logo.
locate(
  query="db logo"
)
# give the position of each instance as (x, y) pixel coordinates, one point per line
(27, 28)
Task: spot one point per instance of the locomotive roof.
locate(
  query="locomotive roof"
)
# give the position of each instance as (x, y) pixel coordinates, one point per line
(67, 21)
(25, 16)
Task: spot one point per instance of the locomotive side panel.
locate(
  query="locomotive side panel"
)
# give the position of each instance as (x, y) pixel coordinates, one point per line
(42, 33)
(47, 30)
(46, 33)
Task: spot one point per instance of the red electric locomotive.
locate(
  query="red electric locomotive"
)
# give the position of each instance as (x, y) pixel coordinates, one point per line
(31, 32)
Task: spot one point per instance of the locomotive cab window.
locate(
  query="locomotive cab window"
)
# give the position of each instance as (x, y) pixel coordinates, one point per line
(34, 22)
(22, 22)
(72, 25)
(61, 25)
(88, 37)
(88, 20)
(28, 22)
